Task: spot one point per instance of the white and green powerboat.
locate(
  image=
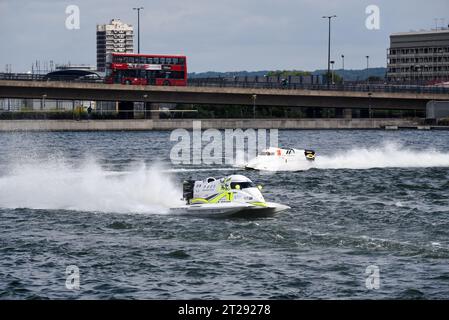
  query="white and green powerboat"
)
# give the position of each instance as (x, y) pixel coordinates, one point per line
(235, 195)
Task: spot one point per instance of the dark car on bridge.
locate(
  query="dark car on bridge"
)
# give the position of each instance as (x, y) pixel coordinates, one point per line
(73, 75)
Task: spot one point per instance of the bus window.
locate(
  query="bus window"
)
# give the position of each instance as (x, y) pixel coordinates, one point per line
(150, 60)
(168, 61)
(156, 60)
(142, 60)
(181, 60)
(162, 60)
(130, 59)
(150, 74)
(177, 75)
(175, 60)
(130, 73)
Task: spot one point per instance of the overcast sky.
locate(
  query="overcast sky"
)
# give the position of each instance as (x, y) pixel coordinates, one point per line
(219, 35)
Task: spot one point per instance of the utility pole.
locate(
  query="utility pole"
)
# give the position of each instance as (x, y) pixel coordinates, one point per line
(254, 97)
(332, 64)
(43, 101)
(138, 27)
(367, 69)
(369, 105)
(329, 50)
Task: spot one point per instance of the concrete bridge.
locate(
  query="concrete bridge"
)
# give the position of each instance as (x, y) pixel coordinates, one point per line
(218, 95)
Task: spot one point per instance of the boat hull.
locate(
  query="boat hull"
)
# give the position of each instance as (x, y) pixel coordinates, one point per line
(229, 210)
(280, 165)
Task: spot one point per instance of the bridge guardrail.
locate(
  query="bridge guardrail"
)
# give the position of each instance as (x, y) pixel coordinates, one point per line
(42, 77)
(358, 87)
(220, 82)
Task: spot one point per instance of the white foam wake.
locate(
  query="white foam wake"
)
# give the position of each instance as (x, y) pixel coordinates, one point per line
(88, 187)
(389, 155)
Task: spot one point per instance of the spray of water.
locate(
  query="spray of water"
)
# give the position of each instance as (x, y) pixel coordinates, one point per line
(57, 184)
(388, 155)
(88, 187)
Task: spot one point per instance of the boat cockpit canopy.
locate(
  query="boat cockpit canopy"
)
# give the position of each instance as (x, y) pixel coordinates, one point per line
(242, 185)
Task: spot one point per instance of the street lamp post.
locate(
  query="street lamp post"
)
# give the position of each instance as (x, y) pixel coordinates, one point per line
(439, 68)
(43, 101)
(329, 49)
(369, 104)
(417, 75)
(424, 68)
(138, 27)
(332, 71)
(343, 68)
(367, 69)
(145, 97)
(414, 70)
(254, 97)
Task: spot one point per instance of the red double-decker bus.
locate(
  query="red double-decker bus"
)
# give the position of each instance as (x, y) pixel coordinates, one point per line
(146, 69)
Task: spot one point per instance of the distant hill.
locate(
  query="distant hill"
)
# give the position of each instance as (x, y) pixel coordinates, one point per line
(214, 74)
(348, 75)
(355, 75)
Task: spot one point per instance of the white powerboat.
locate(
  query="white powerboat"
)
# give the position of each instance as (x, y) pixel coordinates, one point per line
(235, 195)
(274, 159)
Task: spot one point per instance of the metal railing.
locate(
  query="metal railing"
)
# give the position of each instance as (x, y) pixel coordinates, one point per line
(83, 113)
(222, 82)
(353, 87)
(21, 76)
(42, 77)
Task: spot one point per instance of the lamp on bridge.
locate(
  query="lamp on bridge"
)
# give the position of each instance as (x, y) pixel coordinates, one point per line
(367, 69)
(138, 27)
(145, 96)
(254, 97)
(332, 64)
(369, 104)
(43, 101)
(329, 49)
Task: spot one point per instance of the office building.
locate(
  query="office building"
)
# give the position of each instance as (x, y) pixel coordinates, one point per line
(113, 37)
(419, 57)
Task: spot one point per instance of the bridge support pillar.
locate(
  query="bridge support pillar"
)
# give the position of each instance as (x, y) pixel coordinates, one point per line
(347, 113)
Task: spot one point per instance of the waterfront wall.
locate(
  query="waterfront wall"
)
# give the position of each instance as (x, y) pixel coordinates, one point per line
(170, 124)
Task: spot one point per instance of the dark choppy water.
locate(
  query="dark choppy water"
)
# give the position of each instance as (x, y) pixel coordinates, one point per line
(95, 200)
